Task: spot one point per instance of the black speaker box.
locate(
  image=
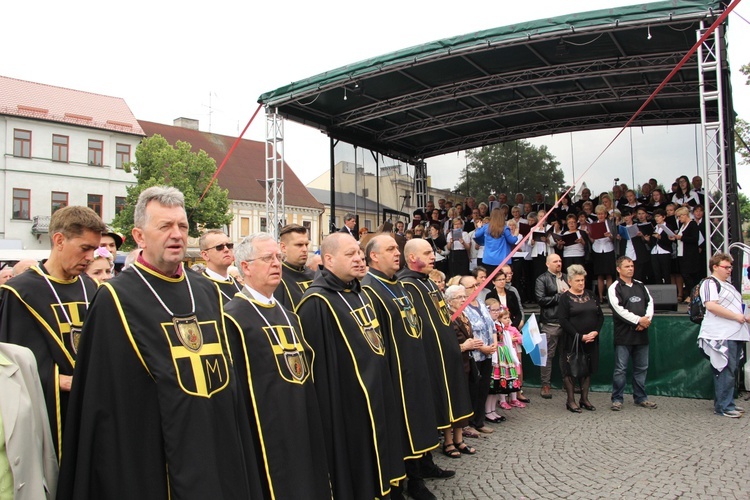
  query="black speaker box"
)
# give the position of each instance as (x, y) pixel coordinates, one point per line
(664, 296)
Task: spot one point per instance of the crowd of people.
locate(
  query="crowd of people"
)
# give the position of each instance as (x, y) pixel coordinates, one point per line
(662, 231)
(348, 368)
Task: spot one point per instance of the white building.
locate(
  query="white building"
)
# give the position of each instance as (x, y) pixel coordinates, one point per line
(60, 147)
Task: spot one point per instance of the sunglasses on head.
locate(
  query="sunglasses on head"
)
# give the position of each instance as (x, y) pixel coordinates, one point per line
(220, 248)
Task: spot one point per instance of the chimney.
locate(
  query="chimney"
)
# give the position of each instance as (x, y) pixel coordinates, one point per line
(188, 123)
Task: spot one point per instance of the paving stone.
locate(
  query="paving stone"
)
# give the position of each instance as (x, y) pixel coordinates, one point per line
(680, 450)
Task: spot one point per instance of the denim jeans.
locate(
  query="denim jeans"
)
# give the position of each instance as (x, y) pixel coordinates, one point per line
(724, 380)
(639, 355)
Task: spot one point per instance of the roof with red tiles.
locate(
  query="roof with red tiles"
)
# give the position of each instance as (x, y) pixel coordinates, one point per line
(76, 107)
(245, 173)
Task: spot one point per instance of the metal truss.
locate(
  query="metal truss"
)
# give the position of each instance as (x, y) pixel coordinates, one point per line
(420, 183)
(714, 141)
(563, 125)
(539, 104)
(275, 209)
(512, 80)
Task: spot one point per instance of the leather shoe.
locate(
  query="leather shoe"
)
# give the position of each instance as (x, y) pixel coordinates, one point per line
(419, 491)
(437, 473)
(546, 394)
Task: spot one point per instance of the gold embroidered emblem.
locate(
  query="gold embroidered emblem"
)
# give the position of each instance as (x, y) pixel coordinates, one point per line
(409, 317)
(198, 356)
(439, 303)
(304, 285)
(289, 353)
(370, 328)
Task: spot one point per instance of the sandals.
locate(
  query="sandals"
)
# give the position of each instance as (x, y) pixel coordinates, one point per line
(464, 448)
(450, 450)
(469, 432)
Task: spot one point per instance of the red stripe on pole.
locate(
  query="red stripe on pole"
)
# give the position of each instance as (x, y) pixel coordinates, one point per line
(229, 153)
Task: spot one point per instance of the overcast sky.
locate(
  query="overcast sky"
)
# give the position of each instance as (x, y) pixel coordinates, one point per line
(169, 59)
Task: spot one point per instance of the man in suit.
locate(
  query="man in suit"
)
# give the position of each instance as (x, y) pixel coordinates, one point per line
(350, 221)
(24, 428)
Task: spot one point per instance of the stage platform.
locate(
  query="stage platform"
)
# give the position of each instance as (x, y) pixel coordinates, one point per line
(676, 366)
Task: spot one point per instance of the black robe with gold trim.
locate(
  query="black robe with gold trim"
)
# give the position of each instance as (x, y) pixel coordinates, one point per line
(452, 402)
(30, 316)
(274, 373)
(155, 411)
(352, 381)
(227, 287)
(402, 331)
(294, 282)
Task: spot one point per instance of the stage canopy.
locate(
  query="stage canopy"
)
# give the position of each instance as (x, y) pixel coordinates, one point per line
(582, 71)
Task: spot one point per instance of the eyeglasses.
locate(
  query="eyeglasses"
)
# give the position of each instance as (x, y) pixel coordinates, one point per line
(495, 309)
(220, 248)
(269, 258)
(728, 268)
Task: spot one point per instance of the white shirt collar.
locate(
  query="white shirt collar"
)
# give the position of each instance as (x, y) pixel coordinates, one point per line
(259, 296)
(216, 275)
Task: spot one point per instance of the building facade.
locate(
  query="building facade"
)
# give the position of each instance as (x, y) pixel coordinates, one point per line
(60, 147)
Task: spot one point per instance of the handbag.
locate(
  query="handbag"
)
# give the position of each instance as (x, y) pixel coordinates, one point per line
(578, 360)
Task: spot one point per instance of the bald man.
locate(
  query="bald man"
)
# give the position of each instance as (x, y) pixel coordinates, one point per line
(450, 390)
(351, 374)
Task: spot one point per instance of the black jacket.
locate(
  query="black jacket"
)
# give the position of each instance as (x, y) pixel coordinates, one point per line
(547, 297)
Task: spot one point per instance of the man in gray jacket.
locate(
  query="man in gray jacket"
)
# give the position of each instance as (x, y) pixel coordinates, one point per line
(549, 285)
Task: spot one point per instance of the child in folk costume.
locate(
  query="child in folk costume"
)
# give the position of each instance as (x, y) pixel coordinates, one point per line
(505, 363)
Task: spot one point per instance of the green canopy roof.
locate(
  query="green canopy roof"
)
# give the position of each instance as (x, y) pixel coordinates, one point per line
(576, 72)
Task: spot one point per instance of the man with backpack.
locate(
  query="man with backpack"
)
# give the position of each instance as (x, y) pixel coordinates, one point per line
(723, 331)
(632, 310)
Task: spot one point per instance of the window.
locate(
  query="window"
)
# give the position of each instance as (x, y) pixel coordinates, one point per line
(244, 226)
(59, 200)
(368, 224)
(96, 152)
(22, 204)
(22, 143)
(122, 155)
(306, 225)
(263, 224)
(365, 192)
(95, 203)
(60, 148)
(119, 204)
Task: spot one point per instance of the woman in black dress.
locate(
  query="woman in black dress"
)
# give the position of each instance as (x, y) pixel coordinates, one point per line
(580, 316)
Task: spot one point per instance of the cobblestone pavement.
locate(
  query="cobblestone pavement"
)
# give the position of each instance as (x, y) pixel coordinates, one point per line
(679, 450)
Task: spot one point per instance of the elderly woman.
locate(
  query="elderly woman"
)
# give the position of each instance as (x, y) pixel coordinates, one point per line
(101, 267)
(581, 318)
(438, 277)
(723, 332)
(483, 328)
(455, 295)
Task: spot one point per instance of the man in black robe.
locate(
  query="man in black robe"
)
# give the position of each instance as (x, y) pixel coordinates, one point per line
(273, 363)
(155, 411)
(450, 387)
(218, 252)
(295, 276)
(43, 309)
(351, 374)
(402, 332)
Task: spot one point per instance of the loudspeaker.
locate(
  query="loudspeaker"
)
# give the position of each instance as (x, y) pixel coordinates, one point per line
(664, 296)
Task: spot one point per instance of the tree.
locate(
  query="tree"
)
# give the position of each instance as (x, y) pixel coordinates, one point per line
(742, 129)
(511, 167)
(158, 163)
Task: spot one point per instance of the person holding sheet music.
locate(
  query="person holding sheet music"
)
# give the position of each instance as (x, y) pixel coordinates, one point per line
(572, 242)
(647, 230)
(633, 244)
(670, 221)
(540, 246)
(603, 234)
(458, 246)
(688, 255)
(685, 196)
(661, 252)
